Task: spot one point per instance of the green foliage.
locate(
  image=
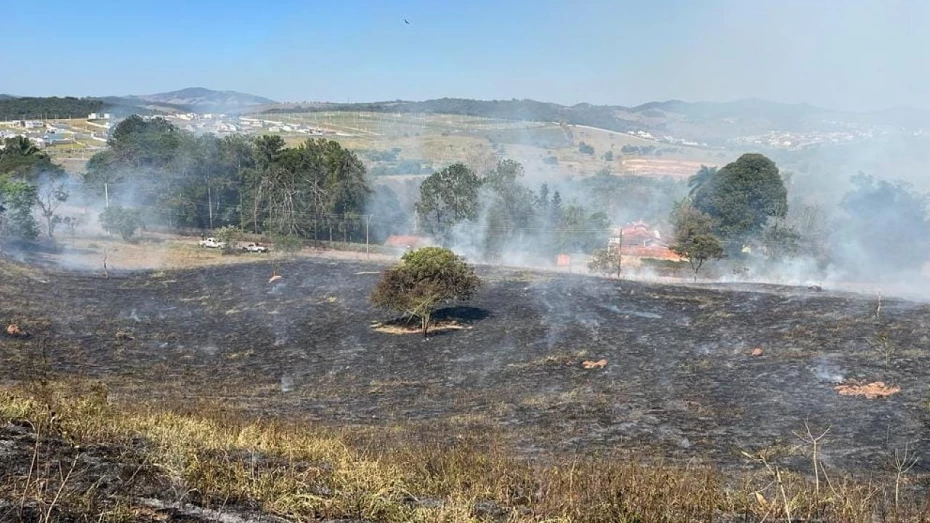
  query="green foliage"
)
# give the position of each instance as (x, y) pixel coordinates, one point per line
(742, 197)
(34, 107)
(21, 159)
(584, 148)
(606, 261)
(207, 182)
(447, 198)
(17, 199)
(230, 235)
(579, 230)
(121, 220)
(424, 279)
(694, 239)
(608, 156)
(698, 179)
(511, 210)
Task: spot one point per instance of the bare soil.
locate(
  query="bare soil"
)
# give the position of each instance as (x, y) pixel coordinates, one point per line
(680, 380)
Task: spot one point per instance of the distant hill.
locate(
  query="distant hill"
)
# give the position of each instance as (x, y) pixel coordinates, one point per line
(6, 96)
(604, 117)
(199, 100)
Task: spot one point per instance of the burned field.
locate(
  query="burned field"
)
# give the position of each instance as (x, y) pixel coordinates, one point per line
(687, 372)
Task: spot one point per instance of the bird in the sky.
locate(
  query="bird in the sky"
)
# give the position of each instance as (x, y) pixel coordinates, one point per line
(406, 22)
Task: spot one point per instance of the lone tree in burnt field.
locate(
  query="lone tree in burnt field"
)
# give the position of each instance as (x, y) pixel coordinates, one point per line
(423, 280)
(694, 240)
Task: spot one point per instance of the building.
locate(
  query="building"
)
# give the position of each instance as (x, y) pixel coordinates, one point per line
(636, 234)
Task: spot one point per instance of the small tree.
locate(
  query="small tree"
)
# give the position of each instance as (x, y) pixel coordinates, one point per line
(608, 156)
(120, 220)
(584, 148)
(694, 240)
(424, 279)
(19, 199)
(605, 261)
(698, 250)
(230, 236)
(50, 197)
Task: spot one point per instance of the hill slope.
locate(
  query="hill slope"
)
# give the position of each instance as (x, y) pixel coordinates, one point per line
(199, 99)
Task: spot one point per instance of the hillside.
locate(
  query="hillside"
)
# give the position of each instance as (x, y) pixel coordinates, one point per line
(201, 100)
(162, 361)
(705, 122)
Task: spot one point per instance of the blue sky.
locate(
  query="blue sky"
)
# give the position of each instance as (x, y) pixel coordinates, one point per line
(844, 54)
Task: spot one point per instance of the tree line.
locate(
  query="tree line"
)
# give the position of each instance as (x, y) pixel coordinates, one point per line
(154, 173)
(51, 107)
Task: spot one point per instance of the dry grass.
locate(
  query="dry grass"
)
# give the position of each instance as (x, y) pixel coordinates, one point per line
(414, 327)
(207, 455)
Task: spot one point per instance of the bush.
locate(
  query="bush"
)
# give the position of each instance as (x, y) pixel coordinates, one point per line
(120, 220)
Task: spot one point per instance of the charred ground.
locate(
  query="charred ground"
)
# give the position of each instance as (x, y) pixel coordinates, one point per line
(680, 382)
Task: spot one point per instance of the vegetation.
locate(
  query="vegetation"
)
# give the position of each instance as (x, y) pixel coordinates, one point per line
(694, 239)
(584, 148)
(314, 190)
(17, 200)
(603, 117)
(741, 198)
(447, 198)
(21, 159)
(219, 457)
(120, 220)
(606, 261)
(52, 107)
(424, 279)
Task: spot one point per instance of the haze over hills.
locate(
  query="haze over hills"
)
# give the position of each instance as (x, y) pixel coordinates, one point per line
(713, 123)
(707, 122)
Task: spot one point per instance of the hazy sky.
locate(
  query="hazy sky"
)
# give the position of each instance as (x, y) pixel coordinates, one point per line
(845, 54)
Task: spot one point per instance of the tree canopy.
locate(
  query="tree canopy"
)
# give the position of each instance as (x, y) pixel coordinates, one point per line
(317, 189)
(424, 279)
(741, 197)
(448, 197)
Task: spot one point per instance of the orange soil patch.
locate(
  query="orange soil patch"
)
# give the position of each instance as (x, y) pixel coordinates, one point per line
(600, 364)
(873, 390)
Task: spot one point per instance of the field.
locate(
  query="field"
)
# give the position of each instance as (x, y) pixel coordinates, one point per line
(443, 139)
(225, 391)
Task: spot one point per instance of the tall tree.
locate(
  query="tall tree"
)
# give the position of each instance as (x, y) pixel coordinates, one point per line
(447, 198)
(741, 197)
(698, 179)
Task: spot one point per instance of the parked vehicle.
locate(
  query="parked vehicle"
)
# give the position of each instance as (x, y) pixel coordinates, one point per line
(212, 243)
(254, 247)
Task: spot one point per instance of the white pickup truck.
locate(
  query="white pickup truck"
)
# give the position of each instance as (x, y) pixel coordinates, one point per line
(254, 247)
(212, 243)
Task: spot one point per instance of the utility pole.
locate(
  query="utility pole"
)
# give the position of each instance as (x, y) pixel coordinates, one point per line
(106, 193)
